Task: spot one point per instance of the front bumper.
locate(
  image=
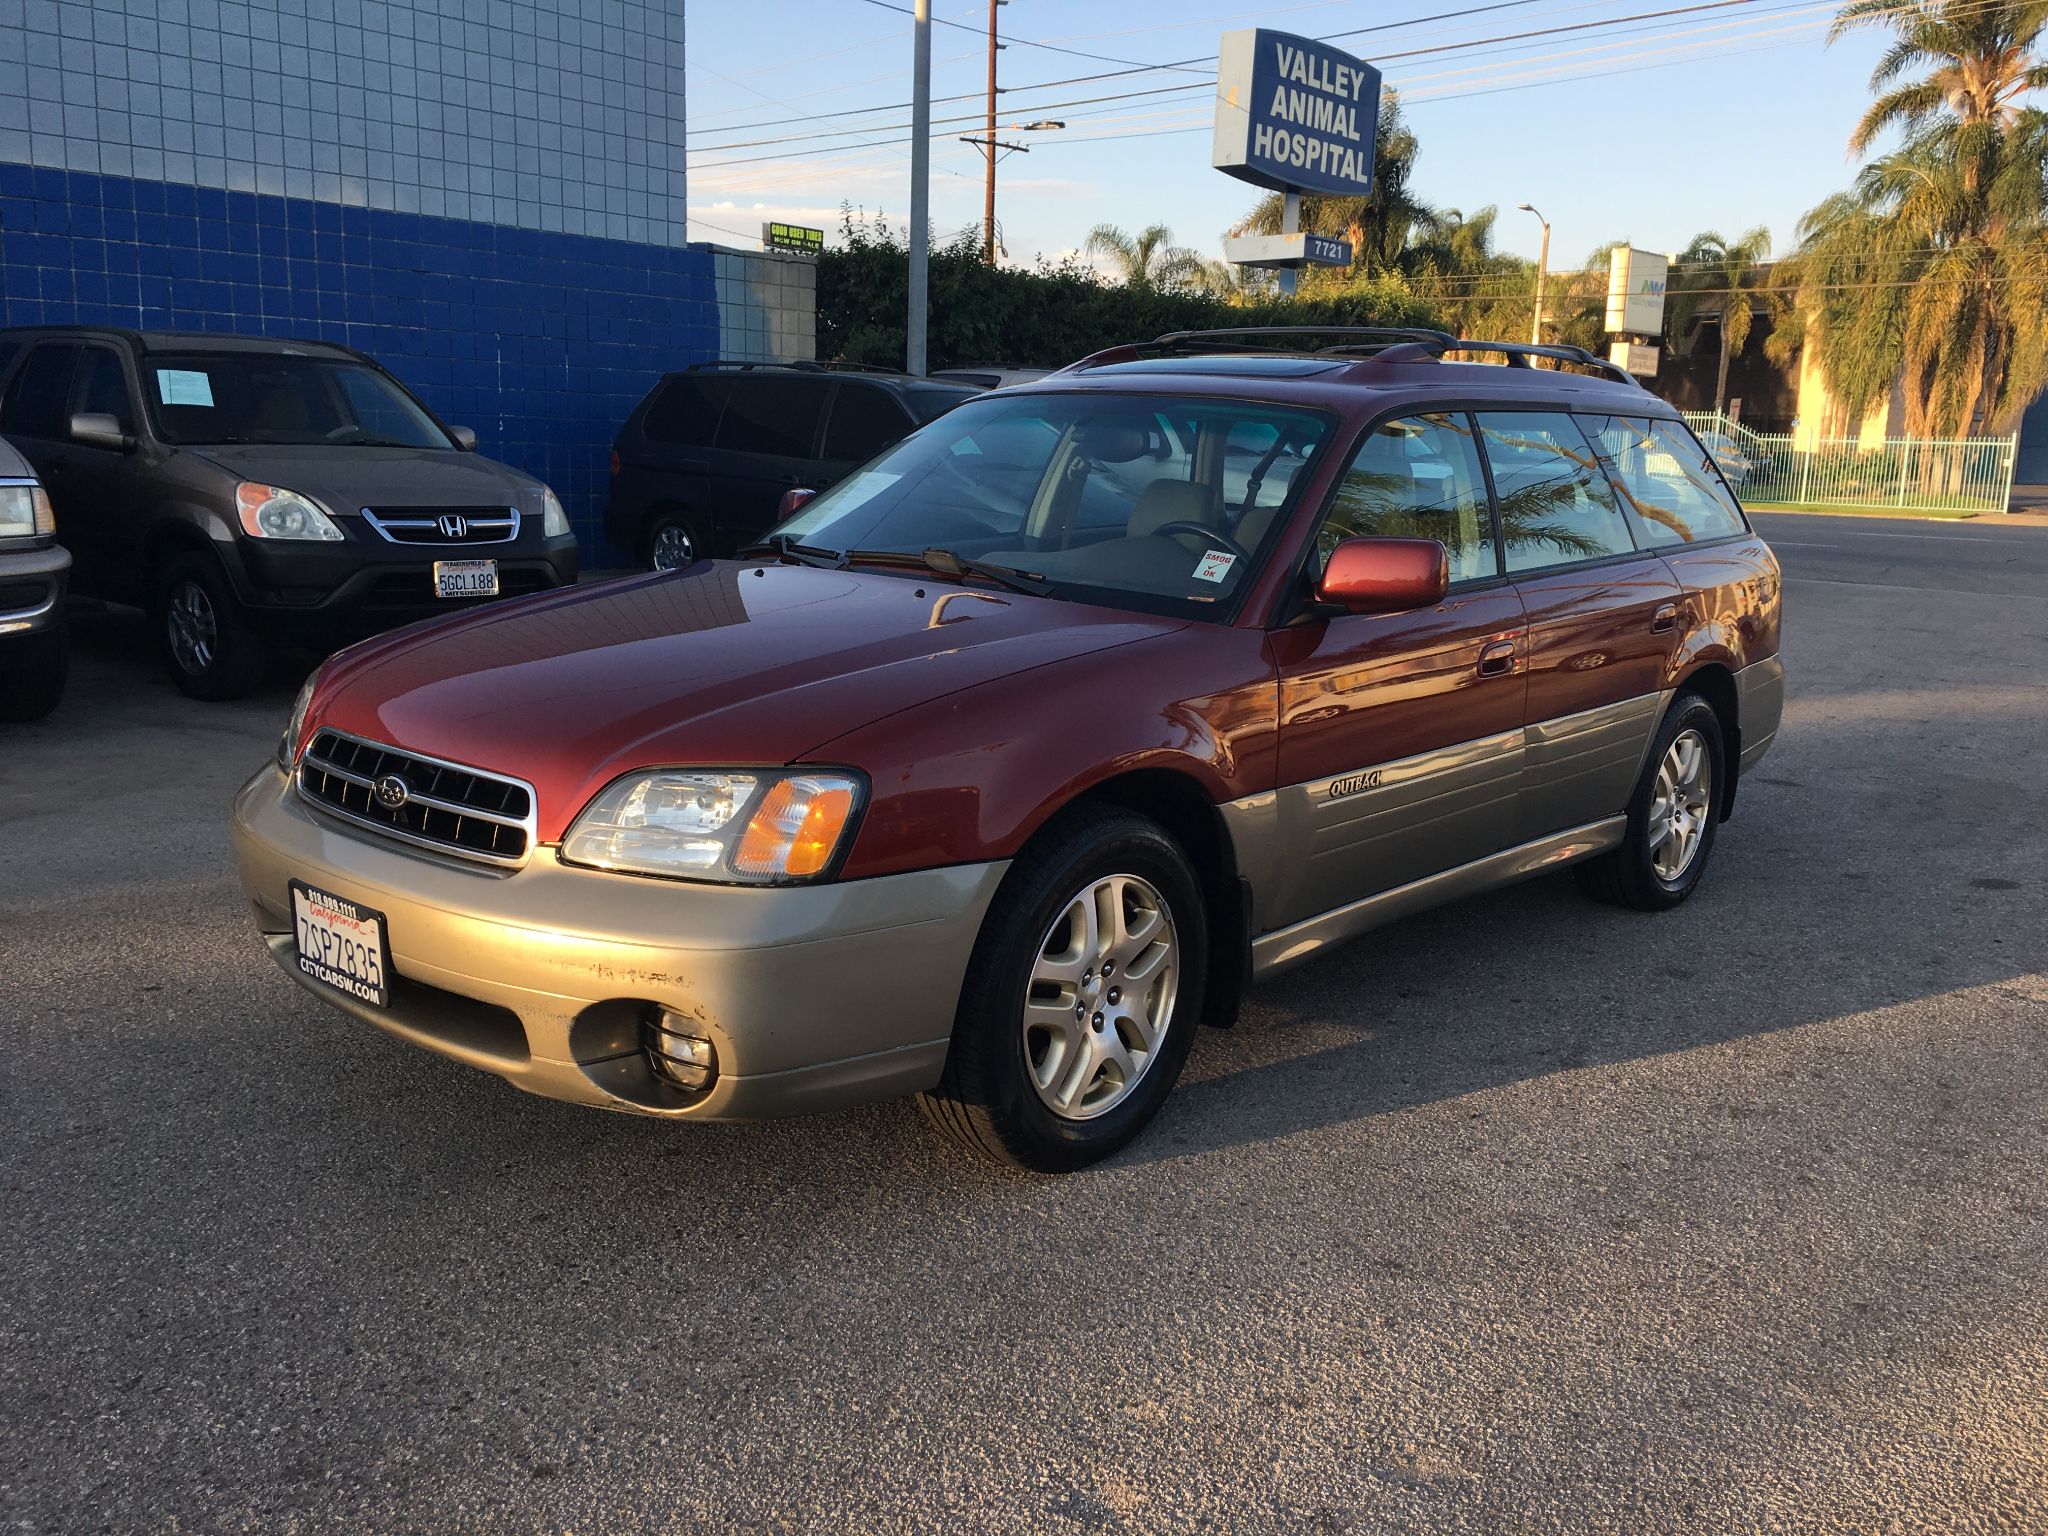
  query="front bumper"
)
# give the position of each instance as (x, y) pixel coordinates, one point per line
(307, 592)
(32, 582)
(812, 996)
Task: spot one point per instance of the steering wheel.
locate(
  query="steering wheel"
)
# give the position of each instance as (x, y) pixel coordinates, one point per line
(1215, 537)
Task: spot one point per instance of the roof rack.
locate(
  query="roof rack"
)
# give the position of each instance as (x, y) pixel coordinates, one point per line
(798, 365)
(1231, 338)
(1518, 354)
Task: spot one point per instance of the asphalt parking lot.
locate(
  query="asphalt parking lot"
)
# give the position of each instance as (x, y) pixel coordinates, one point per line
(1525, 1215)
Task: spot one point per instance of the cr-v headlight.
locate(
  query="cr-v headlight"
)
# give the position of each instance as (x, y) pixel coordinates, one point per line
(741, 826)
(272, 512)
(554, 522)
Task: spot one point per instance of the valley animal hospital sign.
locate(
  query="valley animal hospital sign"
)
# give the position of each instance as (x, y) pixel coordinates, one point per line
(1295, 115)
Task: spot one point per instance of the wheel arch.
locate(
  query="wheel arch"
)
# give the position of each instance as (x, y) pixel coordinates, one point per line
(1714, 681)
(1180, 804)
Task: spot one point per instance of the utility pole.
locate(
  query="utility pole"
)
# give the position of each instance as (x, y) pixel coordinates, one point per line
(988, 200)
(1542, 272)
(920, 185)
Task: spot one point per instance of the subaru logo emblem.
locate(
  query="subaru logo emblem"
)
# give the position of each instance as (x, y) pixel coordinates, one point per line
(391, 791)
(453, 526)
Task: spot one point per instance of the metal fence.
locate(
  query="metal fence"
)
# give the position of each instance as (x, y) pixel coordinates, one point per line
(1914, 474)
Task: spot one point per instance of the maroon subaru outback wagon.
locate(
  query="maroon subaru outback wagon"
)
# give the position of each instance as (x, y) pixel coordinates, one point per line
(1017, 754)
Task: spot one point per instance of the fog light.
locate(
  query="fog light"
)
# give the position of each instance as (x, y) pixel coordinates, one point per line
(682, 1059)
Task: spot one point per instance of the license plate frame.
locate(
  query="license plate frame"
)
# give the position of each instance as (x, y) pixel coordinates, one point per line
(466, 578)
(337, 929)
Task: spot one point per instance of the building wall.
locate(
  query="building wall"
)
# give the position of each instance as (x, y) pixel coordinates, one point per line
(487, 196)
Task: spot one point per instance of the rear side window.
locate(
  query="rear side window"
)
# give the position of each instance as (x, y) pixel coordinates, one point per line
(864, 421)
(40, 397)
(1668, 481)
(930, 404)
(773, 414)
(1418, 478)
(1556, 506)
(102, 387)
(685, 413)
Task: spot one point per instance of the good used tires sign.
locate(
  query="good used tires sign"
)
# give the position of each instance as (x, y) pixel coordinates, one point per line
(1295, 115)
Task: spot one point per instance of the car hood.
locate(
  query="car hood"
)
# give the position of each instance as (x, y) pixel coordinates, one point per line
(348, 479)
(721, 663)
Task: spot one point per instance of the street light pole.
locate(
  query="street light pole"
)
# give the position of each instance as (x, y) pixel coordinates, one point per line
(1542, 271)
(920, 185)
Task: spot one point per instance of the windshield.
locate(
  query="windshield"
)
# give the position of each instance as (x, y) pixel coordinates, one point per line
(1160, 504)
(279, 397)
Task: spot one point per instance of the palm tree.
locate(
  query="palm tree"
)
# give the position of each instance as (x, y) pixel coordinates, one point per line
(1982, 53)
(1148, 259)
(1380, 225)
(1732, 272)
(1934, 268)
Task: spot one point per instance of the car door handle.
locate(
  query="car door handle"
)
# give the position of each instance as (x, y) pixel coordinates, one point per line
(1498, 659)
(1666, 619)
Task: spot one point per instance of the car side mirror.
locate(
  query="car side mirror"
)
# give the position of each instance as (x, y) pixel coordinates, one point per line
(97, 430)
(793, 502)
(1385, 575)
(465, 439)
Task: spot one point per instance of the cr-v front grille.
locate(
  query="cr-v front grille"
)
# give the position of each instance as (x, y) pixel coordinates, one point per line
(445, 525)
(419, 800)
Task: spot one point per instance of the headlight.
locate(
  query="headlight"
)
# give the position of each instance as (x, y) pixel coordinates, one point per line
(743, 827)
(272, 512)
(288, 743)
(25, 512)
(554, 522)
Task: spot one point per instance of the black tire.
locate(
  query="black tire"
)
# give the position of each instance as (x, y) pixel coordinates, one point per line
(665, 529)
(1627, 875)
(227, 663)
(33, 669)
(986, 1100)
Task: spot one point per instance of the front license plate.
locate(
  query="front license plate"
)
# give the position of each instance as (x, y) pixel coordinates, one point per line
(465, 578)
(340, 944)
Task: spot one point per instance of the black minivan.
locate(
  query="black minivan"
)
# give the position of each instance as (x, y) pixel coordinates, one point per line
(701, 466)
(254, 493)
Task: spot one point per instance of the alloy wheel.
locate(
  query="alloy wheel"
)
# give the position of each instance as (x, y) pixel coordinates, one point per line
(194, 628)
(1680, 805)
(673, 547)
(1101, 996)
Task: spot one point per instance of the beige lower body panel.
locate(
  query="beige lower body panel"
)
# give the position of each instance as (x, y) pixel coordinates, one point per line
(1289, 946)
(1760, 699)
(539, 974)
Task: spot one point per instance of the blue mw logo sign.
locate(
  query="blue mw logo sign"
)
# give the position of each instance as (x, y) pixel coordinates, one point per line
(1295, 115)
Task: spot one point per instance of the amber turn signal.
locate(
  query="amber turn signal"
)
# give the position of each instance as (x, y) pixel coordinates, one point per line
(796, 829)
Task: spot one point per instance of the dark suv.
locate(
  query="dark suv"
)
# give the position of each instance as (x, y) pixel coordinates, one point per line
(701, 466)
(254, 493)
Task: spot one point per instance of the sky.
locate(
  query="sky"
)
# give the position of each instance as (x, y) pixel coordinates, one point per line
(1730, 114)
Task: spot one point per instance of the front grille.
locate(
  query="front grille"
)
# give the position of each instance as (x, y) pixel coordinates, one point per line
(445, 525)
(445, 806)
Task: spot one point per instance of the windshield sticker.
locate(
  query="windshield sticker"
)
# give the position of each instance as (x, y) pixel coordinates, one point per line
(181, 386)
(1214, 566)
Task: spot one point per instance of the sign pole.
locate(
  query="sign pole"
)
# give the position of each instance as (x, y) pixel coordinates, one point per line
(920, 185)
(1290, 224)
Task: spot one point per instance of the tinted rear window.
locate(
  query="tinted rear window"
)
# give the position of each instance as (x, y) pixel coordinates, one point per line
(930, 404)
(685, 412)
(775, 414)
(865, 420)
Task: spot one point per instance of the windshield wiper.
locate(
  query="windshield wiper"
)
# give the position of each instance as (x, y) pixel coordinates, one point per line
(946, 562)
(784, 546)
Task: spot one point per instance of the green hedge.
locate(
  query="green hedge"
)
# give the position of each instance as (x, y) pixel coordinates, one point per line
(1042, 317)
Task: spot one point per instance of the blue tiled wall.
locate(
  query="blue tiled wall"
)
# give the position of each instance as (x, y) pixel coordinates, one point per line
(540, 341)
